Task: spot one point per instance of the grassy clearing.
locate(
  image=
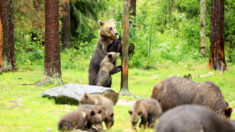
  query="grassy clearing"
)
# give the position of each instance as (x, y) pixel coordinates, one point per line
(22, 108)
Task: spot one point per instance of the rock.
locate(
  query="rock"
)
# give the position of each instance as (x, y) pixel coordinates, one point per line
(72, 93)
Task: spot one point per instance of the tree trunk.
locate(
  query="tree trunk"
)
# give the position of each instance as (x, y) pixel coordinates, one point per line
(124, 74)
(203, 26)
(8, 35)
(66, 30)
(217, 56)
(172, 7)
(1, 39)
(52, 46)
(133, 17)
(133, 8)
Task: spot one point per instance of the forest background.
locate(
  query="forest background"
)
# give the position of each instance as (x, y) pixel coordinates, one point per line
(166, 35)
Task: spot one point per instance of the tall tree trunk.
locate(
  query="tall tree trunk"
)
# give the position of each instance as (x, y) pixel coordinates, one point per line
(133, 17)
(203, 26)
(52, 46)
(217, 56)
(8, 35)
(1, 39)
(125, 25)
(66, 30)
(172, 7)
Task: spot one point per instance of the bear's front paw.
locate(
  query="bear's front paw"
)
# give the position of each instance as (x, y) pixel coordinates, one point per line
(120, 37)
(119, 68)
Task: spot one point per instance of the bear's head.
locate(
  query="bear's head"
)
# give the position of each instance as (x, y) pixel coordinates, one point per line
(96, 118)
(86, 99)
(134, 116)
(109, 119)
(108, 29)
(112, 56)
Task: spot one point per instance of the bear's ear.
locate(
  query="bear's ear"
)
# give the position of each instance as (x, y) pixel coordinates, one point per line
(92, 113)
(111, 115)
(101, 23)
(86, 95)
(100, 111)
(110, 56)
(228, 111)
(130, 112)
(139, 113)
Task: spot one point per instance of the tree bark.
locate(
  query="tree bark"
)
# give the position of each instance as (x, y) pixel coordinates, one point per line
(133, 17)
(203, 26)
(8, 35)
(172, 7)
(124, 73)
(217, 55)
(1, 39)
(52, 47)
(66, 30)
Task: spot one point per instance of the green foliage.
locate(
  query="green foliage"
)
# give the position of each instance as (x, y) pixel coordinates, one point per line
(160, 35)
(83, 20)
(230, 28)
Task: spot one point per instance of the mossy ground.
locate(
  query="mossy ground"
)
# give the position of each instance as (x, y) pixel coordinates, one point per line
(22, 108)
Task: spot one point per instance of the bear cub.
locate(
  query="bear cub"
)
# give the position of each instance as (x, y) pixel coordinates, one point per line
(107, 105)
(146, 109)
(107, 68)
(82, 119)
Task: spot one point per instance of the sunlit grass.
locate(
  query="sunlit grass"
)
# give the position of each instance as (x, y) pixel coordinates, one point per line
(22, 108)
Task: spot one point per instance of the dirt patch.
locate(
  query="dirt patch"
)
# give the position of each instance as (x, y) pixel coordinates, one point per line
(125, 102)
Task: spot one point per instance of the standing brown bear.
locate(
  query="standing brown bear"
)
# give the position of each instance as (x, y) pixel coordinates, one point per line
(175, 91)
(108, 42)
(146, 109)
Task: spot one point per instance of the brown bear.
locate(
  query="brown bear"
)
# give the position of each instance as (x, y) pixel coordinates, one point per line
(175, 91)
(146, 109)
(192, 118)
(107, 119)
(107, 42)
(107, 68)
(82, 119)
(99, 100)
(233, 124)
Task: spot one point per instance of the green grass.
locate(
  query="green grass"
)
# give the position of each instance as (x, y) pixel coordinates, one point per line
(22, 108)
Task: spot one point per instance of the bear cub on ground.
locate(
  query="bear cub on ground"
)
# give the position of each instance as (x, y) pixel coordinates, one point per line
(99, 100)
(175, 91)
(146, 109)
(107, 68)
(82, 119)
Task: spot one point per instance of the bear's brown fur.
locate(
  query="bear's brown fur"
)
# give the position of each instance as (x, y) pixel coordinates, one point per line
(107, 68)
(175, 91)
(233, 124)
(82, 119)
(192, 118)
(99, 100)
(108, 34)
(107, 42)
(146, 109)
